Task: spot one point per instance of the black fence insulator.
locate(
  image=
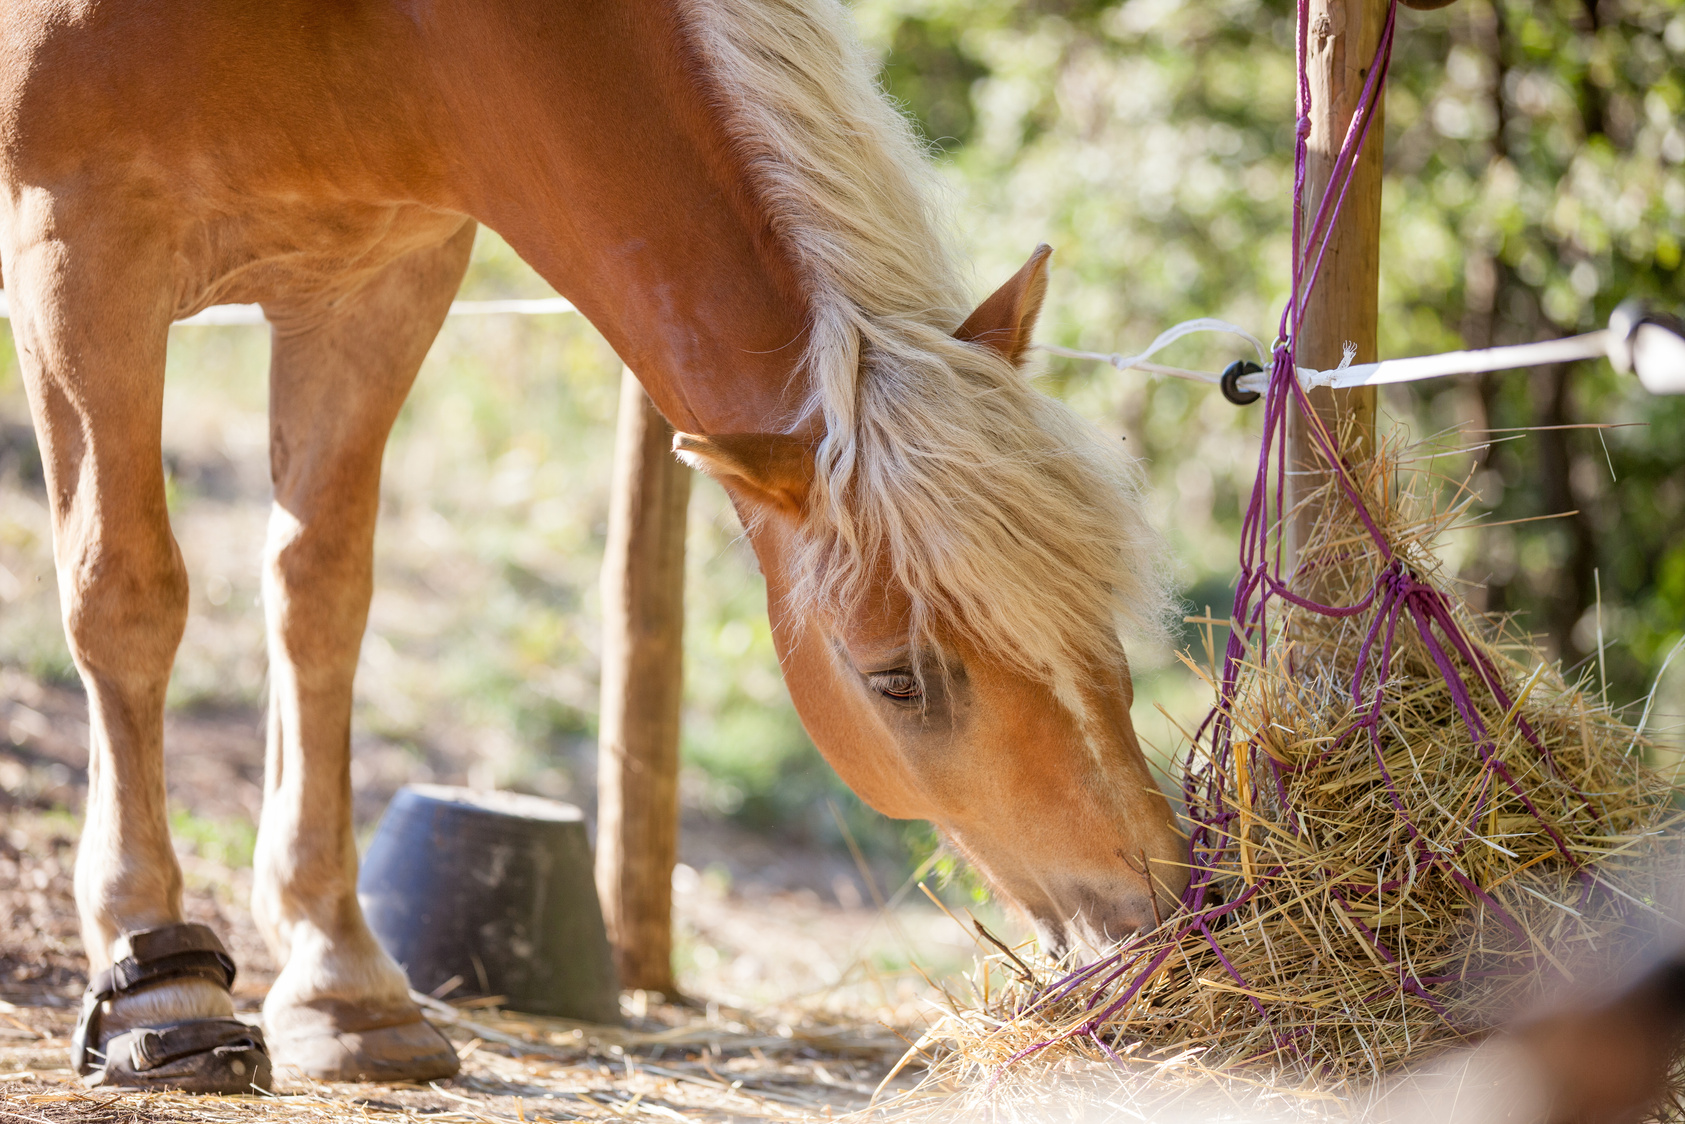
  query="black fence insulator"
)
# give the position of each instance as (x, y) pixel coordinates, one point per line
(1230, 382)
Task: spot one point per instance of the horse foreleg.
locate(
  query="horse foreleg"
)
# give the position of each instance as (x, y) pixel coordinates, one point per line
(91, 316)
(340, 1009)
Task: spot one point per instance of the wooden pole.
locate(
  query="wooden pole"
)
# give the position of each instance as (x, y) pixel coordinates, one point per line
(1340, 47)
(643, 678)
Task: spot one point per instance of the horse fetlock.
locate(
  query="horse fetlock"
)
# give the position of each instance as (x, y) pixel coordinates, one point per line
(118, 892)
(306, 910)
(269, 897)
(348, 970)
(163, 1004)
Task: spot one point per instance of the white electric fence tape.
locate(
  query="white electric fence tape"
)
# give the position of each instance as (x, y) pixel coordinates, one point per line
(1630, 343)
(1164, 340)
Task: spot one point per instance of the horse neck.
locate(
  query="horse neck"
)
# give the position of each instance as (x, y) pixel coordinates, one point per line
(588, 141)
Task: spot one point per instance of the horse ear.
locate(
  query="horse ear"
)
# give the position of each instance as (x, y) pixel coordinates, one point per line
(776, 467)
(1007, 319)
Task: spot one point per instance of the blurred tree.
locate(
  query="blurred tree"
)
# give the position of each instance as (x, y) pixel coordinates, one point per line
(930, 73)
(1548, 150)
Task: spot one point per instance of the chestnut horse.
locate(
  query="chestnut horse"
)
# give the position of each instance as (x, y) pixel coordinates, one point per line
(721, 188)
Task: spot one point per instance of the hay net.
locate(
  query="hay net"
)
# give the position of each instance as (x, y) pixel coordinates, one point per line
(1401, 818)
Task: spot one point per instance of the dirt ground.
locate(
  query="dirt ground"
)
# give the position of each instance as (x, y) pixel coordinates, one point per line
(802, 997)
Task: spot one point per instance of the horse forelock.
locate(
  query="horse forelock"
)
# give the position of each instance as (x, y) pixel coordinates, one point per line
(1005, 518)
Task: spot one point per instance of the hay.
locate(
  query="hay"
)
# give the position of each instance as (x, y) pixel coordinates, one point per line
(1365, 895)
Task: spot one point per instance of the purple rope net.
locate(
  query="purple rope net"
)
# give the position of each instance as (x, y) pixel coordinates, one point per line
(1399, 598)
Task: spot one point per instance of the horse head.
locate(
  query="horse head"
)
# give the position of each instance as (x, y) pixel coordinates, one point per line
(945, 582)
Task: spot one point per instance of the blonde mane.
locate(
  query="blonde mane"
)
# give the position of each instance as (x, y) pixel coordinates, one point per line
(1007, 519)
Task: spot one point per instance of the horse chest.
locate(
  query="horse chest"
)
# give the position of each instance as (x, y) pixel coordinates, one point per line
(297, 259)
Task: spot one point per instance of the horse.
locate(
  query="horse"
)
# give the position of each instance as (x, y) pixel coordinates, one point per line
(950, 556)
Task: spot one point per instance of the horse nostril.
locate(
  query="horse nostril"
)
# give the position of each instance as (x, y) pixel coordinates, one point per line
(1131, 919)
(1111, 914)
(1088, 917)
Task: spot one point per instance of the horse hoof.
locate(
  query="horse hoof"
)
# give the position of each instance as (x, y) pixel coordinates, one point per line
(337, 1044)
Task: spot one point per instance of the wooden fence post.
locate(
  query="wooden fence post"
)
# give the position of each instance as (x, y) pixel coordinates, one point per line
(1340, 47)
(643, 677)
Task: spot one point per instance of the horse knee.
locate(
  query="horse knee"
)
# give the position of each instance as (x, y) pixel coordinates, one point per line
(122, 888)
(125, 606)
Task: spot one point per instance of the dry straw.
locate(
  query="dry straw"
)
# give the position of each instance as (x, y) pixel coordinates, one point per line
(1379, 874)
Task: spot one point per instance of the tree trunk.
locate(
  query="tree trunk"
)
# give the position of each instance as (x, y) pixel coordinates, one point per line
(1569, 589)
(1340, 44)
(643, 676)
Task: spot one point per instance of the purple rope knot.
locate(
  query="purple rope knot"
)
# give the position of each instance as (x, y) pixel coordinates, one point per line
(1303, 128)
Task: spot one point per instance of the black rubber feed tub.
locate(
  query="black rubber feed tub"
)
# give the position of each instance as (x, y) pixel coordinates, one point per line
(493, 889)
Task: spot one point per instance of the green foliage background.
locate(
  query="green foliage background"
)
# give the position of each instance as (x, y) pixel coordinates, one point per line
(1533, 180)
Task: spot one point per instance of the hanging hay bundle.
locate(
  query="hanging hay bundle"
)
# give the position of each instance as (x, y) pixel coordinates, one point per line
(1404, 822)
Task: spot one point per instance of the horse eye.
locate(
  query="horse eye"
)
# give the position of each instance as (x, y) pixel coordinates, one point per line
(898, 686)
